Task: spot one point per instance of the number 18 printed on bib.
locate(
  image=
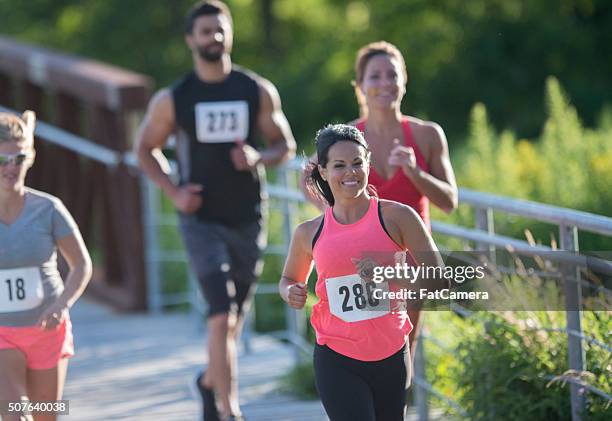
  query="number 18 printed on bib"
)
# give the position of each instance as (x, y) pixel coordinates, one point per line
(21, 289)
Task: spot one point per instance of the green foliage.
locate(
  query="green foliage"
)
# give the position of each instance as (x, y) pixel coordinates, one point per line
(498, 52)
(568, 165)
(500, 365)
(300, 381)
(495, 362)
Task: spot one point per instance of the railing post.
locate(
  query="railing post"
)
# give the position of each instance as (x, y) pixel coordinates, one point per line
(199, 306)
(291, 315)
(420, 394)
(150, 211)
(488, 379)
(568, 237)
(248, 327)
(484, 222)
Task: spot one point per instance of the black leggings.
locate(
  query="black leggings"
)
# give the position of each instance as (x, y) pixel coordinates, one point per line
(355, 390)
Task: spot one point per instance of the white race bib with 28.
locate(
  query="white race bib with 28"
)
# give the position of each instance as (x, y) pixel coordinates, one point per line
(352, 300)
(222, 122)
(20, 289)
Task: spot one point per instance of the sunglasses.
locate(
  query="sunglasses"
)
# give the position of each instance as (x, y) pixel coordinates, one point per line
(16, 159)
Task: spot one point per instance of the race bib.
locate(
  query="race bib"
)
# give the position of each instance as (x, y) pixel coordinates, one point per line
(20, 289)
(353, 300)
(222, 122)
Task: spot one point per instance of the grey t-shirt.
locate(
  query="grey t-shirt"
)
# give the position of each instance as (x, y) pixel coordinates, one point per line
(29, 279)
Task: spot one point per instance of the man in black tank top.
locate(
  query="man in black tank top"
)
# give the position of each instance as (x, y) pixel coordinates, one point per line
(215, 113)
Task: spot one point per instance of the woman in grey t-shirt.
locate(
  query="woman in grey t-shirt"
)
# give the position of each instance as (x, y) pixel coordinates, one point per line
(35, 329)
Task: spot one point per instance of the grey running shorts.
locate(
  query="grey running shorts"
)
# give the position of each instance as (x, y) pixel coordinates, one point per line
(226, 260)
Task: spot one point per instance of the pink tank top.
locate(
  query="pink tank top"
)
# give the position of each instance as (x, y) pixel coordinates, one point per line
(348, 318)
(399, 187)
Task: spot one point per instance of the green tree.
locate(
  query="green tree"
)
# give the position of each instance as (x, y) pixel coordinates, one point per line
(498, 52)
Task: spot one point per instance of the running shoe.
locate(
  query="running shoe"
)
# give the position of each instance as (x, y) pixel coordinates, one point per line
(207, 399)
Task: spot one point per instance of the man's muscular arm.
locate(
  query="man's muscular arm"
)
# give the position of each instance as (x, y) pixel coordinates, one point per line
(158, 124)
(274, 127)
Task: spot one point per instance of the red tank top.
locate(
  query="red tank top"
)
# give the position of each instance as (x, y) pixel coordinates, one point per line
(348, 318)
(399, 187)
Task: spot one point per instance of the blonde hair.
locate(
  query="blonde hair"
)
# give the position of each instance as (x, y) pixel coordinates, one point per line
(364, 55)
(17, 129)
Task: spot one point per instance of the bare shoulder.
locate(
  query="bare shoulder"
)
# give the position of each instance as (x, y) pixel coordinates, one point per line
(397, 213)
(161, 106)
(158, 123)
(264, 83)
(305, 232)
(267, 90)
(162, 98)
(427, 130)
(309, 228)
(400, 221)
(354, 122)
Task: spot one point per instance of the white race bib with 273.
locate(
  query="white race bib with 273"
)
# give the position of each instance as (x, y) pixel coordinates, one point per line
(352, 300)
(20, 289)
(222, 122)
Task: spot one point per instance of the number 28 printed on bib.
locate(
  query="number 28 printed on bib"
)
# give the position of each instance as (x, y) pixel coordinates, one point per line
(353, 300)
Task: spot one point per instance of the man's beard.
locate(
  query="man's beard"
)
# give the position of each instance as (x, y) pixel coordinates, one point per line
(209, 54)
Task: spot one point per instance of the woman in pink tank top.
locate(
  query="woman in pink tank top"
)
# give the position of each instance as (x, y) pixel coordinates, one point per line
(361, 358)
(410, 161)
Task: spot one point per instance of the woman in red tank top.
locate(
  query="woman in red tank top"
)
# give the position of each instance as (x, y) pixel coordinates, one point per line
(410, 162)
(361, 359)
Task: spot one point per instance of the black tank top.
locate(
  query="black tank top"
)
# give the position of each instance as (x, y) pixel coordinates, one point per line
(210, 117)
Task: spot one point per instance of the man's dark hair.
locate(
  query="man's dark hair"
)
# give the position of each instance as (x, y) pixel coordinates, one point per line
(204, 8)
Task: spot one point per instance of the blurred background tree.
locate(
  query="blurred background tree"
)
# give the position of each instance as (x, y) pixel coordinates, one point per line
(478, 67)
(498, 52)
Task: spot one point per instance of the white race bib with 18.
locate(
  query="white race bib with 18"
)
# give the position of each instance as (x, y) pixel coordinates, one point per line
(20, 289)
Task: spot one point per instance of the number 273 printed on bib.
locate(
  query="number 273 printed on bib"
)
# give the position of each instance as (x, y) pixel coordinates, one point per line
(222, 122)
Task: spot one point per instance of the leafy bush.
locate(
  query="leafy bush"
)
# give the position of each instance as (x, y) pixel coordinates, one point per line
(300, 381)
(501, 365)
